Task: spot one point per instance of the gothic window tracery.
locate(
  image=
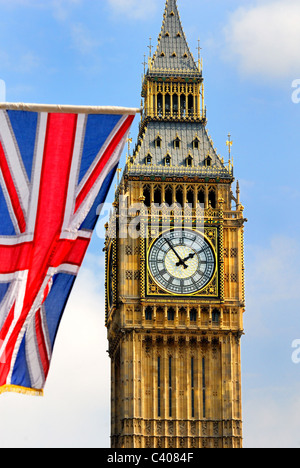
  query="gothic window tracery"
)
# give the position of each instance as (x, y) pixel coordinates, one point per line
(190, 197)
(212, 198)
(169, 196)
(179, 196)
(171, 314)
(157, 196)
(147, 196)
(201, 196)
(193, 315)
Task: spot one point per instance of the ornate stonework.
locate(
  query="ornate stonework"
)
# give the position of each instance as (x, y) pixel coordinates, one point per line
(175, 356)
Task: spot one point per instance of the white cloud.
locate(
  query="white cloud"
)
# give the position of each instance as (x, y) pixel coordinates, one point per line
(59, 8)
(265, 39)
(134, 9)
(271, 417)
(274, 273)
(271, 380)
(272, 279)
(28, 62)
(22, 62)
(82, 39)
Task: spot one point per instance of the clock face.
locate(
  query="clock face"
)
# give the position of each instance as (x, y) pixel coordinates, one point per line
(182, 262)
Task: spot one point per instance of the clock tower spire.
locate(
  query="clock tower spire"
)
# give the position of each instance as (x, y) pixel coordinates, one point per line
(175, 269)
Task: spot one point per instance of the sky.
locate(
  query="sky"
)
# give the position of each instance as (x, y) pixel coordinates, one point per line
(85, 52)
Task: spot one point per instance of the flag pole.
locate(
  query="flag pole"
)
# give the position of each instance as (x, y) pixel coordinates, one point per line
(69, 109)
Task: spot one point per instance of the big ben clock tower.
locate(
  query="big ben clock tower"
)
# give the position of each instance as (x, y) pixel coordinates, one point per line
(175, 269)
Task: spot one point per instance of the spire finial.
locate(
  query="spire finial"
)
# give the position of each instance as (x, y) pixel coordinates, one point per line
(119, 170)
(129, 140)
(238, 195)
(145, 64)
(199, 48)
(229, 143)
(150, 46)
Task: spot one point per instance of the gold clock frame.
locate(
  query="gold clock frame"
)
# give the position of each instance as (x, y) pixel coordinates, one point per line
(211, 290)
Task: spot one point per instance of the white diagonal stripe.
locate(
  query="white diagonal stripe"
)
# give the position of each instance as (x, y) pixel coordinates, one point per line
(16, 240)
(75, 168)
(87, 204)
(37, 170)
(14, 161)
(9, 204)
(100, 154)
(17, 297)
(46, 332)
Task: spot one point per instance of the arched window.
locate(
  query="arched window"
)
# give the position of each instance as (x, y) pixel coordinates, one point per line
(175, 104)
(158, 141)
(148, 313)
(168, 160)
(147, 195)
(157, 196)
(190, 197)
(189, 161)
(196, 143)
(212, 198)
(208, 161)
(193, 315)
(216, 316)
(201, 197)
(177, 142)
(190, 105)
(168, 104)
(182, 104)
(148, 160)
(171, 314)
(159, 104)
(169, 196)
(179, 196)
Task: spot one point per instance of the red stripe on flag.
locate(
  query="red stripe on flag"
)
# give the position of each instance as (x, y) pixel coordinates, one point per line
(70, 252)
(14, 258)
(59, 144)
(54, 185)
(103, 161)
(12, 191)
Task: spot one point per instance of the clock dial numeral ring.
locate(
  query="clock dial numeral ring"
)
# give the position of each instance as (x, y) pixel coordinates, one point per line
(182, 262)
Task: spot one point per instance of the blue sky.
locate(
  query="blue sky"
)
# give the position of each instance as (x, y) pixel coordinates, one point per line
(90, 53)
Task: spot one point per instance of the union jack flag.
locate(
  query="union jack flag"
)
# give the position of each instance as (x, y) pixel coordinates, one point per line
(55, 170)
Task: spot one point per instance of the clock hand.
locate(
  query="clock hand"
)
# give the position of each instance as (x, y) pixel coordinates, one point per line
(187, 258)
(181, 262)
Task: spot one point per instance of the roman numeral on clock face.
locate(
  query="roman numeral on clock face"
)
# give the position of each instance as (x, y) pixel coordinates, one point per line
(182, 262)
